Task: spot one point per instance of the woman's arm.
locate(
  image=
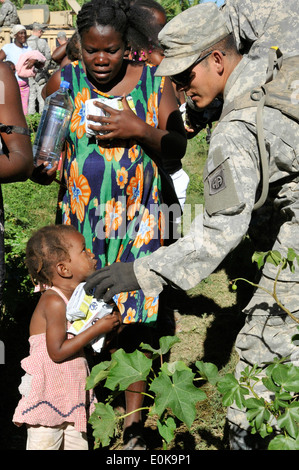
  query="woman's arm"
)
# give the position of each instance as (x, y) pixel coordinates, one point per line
(16, 161)
(59, 53)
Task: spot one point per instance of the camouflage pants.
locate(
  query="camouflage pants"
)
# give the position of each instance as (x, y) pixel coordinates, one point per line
(35, 96)
(266, 334)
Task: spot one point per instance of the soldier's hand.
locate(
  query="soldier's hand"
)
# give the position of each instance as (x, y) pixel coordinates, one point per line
(111, 280)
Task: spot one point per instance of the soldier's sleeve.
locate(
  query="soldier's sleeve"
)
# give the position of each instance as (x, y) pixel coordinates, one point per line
(4, 12)
(231, 180)
(46, 50)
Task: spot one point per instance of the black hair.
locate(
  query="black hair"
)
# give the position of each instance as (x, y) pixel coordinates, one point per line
(128, 18)
(150, 5)
(46, 247)
(227, 44)
(72, 49)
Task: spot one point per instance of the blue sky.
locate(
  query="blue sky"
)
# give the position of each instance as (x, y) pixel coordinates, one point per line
(219, 2)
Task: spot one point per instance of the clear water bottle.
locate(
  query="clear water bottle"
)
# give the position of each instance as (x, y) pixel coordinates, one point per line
(53, 126)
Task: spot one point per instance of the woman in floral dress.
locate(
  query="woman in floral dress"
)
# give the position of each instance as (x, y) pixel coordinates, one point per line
(113, 179)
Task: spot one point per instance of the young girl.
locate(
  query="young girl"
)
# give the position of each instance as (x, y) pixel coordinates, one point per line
(54, 404)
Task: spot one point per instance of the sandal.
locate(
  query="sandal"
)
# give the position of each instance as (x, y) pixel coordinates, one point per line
(134, 443)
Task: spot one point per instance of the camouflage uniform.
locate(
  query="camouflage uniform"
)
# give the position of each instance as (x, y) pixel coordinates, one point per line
(38, 82)
(232, 178)
(8, 14)
(260, 24)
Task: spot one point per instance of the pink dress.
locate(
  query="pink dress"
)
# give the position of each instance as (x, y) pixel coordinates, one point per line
(54, 393)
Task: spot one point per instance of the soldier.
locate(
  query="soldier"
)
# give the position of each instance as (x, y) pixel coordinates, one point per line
(8, 14)
(38, 82)
(202, 58)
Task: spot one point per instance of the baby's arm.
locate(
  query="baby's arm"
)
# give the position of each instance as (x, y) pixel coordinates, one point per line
(58, 345)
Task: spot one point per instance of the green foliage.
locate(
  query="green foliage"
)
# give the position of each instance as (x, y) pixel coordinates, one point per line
(32, 123)
(174, 7)
(175, 389)
(277, 417)
(172, 392)
(274, 257)
(281, 262)
(174, 395)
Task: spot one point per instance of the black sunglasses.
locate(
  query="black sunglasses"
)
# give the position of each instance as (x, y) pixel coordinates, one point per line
(183, 79)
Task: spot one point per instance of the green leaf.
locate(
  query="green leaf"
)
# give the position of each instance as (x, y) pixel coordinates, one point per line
(259, 258)
(177, 393)
(270, 385)
(167, 429)
(290, 420)
(127, 369)
(166, 343)
(232, 391)
(103, 421)
(287, 376)
(208, 371)
(282, 442)
(273, 257)
(98, 373)
(250, 373)
(171, 367)
(281, 400)
(257, 412)
(291, 254)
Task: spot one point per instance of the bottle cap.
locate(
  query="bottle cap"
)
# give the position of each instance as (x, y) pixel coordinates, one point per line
(64, 84)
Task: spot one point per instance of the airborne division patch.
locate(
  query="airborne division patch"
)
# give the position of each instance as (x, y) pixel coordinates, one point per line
(217, 181)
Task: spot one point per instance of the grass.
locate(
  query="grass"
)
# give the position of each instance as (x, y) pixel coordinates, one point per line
(207, 317)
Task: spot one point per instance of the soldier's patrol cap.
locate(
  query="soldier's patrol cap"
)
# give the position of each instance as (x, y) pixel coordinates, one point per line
(39, 26)
(188, 34)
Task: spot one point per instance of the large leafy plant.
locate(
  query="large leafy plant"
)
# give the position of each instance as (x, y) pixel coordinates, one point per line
(172, 391)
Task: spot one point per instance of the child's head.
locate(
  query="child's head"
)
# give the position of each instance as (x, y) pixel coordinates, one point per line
(153, 53)
(133, 22)
(54, 246)
(73, 47)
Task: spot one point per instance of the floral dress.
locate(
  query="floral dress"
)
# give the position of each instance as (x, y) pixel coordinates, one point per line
(113, 194)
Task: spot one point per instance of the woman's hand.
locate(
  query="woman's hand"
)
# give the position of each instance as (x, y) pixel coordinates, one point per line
(118, 124)
(43, 176)
(29, 63)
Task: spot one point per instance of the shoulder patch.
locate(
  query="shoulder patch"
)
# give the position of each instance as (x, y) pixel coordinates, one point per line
(216, 181)
(219, 189)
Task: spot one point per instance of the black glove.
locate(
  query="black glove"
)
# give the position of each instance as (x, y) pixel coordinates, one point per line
(111, 280)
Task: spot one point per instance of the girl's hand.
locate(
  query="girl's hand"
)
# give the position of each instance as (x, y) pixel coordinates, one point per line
(108, 323)
(121, 124)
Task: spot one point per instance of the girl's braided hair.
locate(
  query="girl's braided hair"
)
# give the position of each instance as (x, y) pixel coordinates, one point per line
(127, 17)
(46, 247)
